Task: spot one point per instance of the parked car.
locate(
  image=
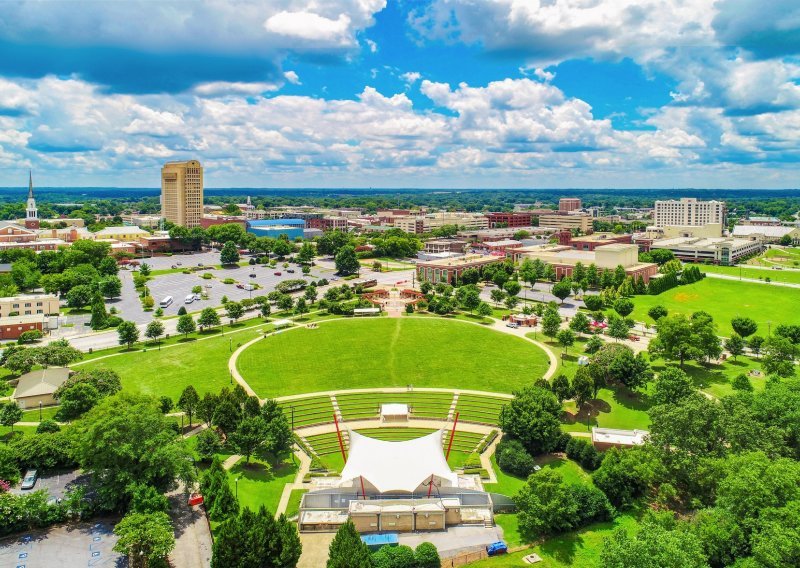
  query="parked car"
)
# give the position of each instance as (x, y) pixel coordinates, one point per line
(239, 285)
(30, 479)
(290, 270)
(512, 324)
(277, 273)
(252, 275)
(497, 547)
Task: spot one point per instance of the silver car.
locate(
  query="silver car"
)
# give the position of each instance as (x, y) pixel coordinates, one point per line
(30, 479)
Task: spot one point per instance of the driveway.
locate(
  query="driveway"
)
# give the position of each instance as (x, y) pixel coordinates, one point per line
(57, 483)
(192, 534)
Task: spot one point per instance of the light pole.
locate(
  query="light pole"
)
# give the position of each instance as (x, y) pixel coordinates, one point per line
(237, 487)
(40, 411)
(230, 344)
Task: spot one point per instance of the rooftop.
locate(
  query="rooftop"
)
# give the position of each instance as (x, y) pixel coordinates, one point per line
(621, 437)
(767, 231)
(460, 261)
(41, 382)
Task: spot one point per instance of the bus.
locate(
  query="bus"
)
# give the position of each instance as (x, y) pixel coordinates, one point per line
(165, 302)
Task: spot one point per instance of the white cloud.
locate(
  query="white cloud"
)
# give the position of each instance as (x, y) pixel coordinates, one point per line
(410, 77)
(225, 88)
(310, 26)
(292, 77)
(373, 47)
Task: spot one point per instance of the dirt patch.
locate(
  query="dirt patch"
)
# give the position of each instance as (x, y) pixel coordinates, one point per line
(684, 297)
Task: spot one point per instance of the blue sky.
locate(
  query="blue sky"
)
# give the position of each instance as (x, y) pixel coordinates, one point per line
(423, 93)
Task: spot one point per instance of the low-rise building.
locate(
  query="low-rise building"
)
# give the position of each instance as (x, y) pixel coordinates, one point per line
(720, 250)
(567, 204)
(591, 242)
(501, 247)
(450, 270)
(479, 236)
(761, 221)
(38, 387)
(143, 221)
(426, 223)
(510, 219)
(274, 228)
(126, 234)
(207, 221)
(606, 438)
(12, 327)
(27, 305)
(445, 245)
(567, 221)
(766, 233)
(563, 259)
(328, 223)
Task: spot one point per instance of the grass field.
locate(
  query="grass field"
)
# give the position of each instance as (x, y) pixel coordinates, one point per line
(726, 299)
(790, 276)
(260, 484)
(425, 352)
(579, 548)
(617, 408)
(203, 364)
(788, 256)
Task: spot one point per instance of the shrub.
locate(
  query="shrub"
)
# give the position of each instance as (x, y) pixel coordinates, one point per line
(29, 336)
(228, 281)
(593, 505)
(583, 452)
(426, 556)
(47, 426)
(113, 321)
(513, 458)
(207, 276)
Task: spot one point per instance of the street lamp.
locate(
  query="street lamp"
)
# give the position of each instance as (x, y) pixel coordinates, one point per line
(40, 411)
(231, 372)
(237, 487)
(230, 344)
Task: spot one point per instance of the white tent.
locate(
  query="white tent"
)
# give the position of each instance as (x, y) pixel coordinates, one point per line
(398, 466)
(394, 411)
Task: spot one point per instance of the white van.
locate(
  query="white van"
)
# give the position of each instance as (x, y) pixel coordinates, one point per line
(189, 299)
(166, 302)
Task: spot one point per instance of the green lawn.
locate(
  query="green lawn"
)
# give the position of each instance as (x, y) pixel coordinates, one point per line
(574, 549)
(784, 256)
(791, 276)
(293, 508)
(33, 414)
(618, 408)
(726, 299)
(203, 364)
(716, 379)
(260, 484)
(424, 352)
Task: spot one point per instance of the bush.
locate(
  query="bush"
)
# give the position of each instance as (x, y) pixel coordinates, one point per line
(207, 276)
(583, 452)
(593, 505)
(401, 556)
(228, 281)
(114, 321)
(47, 426)
(513, 458)
(426, 556)
(593, 303)
(29, 336)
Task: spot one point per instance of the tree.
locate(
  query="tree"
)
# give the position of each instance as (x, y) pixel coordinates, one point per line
(10, 414)
(106, 381)
(282, 248)
(657, 312)
(511, 302)
(566, 339)
(623, 307)
(347, 550)
(128, 333)
(672, 385)
(617, 328)
(777, 357)
(497, 296)
(144, 269)
(256, 539)
(80, 296)
(229, 253)
(76, 400)
(551, 322)
(562, 289)
(426, 556)
(593, 303)
(755, 343)
(249, 436)
(208, 444)
(484, 310)
(234, 310)
(624, 475)
(545, 505)
(310, 294)
(145, 538)
(745, 327)
(579, 323)
(533, 417)
(561, 388)
(208, 318)
(139, 443)
(346, 261)
(468, 297)
(166, 404)
(21, 361)
(741, 383)
(735, 345)
(583, 389)
(300, 307)
(188, 401)
(674, 339)
(512, 287)
(593, 345)
(284, 302)
(186, 325)
(154, 330)
(110, 287)
(306, 253)
(653, 546)
(99, 315)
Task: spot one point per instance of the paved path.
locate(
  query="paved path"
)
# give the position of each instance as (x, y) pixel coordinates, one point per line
(378, 423)
(392, 390)
(305, 466)
(231, 461)
(192, 533)
(753, 280)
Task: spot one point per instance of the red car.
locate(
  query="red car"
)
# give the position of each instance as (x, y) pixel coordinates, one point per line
(277, 273)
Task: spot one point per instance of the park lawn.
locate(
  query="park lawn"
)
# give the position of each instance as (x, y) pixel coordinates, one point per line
(509, 485)
(396, 352)
(5, 432)
(787, 256)
(716, 379)
(293, 508)
(724, 300)
(579, 548)
(33, 414)
(614, 408)
(790, 276)
(261, 484)
(167, 372)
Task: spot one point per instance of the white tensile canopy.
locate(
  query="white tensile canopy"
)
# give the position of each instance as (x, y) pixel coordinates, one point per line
(398, 466)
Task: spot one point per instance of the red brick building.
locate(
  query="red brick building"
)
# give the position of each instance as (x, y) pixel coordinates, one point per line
(510, 219)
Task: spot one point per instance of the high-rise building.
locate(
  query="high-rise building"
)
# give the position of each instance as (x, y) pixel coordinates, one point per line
(182, 193)
(689, 212)
(567, 204)
(31, 212)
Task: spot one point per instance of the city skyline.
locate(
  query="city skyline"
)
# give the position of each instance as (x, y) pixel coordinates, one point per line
(439, 94)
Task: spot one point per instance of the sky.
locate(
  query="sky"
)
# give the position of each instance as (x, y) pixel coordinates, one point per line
(402, 93)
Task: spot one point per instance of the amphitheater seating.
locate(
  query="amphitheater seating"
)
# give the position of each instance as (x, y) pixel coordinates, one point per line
(360, 406)
(479, 408)
(309, 411)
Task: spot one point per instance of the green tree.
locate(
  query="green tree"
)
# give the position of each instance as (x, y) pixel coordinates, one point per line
(545, 505)
(80, 296)
(186, 325)
(310, 294)
(561, 388)
(265, 310)
(497, 296)
(551, 322)
(226, 416)
(282, 248)
(154, 330)
(234, 310)
(743, 326)
(735, 345)
(623, 307)
(110, 287)
(76, 400)
(755, 343)
(672, 386)
(593, 345)
(249, 436)
(512, 287)
(777, 356)
(229, 254)
(208, 318)
(533, 417)
(128, 333)
(653, 546)
(346, 261)
(562, 289)
(99, 315)
(347, 550)
(741, 383)
(301, 307)
(10, 414)
(579, 323)
(426, 556)
(566, 339)
(657, 312)
(144, 538)
(484, 310)
(583, 388)
(188, 401)
(144, 269)
(306, 253)
(593, 303)
(617, 328)
(139, 444)
(674, 339)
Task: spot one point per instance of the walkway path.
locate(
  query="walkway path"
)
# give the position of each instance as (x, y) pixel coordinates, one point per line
(753, 280)
(305, 466)
(231, 461)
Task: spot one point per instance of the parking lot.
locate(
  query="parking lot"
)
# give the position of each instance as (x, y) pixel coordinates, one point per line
(86, 544)
(57, 483)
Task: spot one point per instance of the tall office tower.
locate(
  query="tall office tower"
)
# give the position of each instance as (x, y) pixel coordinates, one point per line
(689, 212)
(182, 193)
(567, 204)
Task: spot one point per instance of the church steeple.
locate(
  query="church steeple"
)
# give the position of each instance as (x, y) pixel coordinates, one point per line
(31, 212)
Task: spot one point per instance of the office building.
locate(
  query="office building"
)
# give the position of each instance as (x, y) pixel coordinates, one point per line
(568, 204)
(182, 193)
(720, 250)
(570, 222)
(564, 258)
(688, 211)
(449, 270)
(513, 219)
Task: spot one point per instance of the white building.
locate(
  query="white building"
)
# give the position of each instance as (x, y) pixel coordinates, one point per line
(688, 211)
(722, 250)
